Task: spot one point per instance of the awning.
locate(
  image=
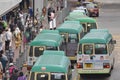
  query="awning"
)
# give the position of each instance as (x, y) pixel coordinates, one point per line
(8, 5)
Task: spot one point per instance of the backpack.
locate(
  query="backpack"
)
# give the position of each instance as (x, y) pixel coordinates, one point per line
(11, 70)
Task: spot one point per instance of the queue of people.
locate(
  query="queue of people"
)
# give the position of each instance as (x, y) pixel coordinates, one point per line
(5, 60)
(11, 32)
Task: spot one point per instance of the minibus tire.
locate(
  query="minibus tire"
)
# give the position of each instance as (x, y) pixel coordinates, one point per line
(113, 64)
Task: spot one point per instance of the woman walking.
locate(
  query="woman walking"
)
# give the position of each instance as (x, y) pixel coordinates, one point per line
(14, 76)
(18, 37)
(22, 76)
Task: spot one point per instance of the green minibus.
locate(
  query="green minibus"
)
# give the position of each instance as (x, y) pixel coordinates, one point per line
(45, 40)
(96, 52)
(72, 32)
(52, 65)
(87, 22)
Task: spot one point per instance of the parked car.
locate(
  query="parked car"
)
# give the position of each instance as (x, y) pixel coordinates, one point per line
(82, 9)
(92, 7)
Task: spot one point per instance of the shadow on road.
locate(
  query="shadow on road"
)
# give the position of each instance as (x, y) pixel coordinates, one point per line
(94, 77)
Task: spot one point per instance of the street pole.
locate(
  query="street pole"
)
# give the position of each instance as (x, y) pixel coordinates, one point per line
(33, 27)
(33, 11)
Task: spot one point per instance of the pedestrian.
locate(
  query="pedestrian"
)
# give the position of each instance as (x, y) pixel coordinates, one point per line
(4, 62)
(1, 27)
(27, 34)
(12, 26)
(54, 23)
(61, 4)
(1, 67)
(44, 11)
(41, 28)
(51, 18)
(21, 5)
(30, 11)
(22, 76)
(21, 16)
(37, 16)
(21, 21)
(3, 24)
(3, 55)
(1, 71)
(1, 41)
(14, 76)
(8, 38)
(27, 3)
(18, 37)
(12, 67)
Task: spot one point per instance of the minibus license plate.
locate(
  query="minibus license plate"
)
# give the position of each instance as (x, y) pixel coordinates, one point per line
(88, 65)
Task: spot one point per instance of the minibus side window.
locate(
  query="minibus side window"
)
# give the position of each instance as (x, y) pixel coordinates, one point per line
(80, 49)
(69, 73)
(31, 51)
(84, 26)
(32, 76)
(64, 37)
(110, 46)
(81, 34)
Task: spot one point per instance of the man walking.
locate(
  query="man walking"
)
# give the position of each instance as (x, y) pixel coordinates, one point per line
(8, 38)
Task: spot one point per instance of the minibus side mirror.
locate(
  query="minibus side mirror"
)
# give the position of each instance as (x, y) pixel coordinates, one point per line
(63, 76)
(113, 41)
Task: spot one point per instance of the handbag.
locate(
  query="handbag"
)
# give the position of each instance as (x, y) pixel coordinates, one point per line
(35, 21)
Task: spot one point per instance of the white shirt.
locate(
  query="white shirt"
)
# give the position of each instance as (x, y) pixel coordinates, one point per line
(17, 30)
(1, 38)
(8, 36)
(52, 15)
(1, 41)
(22, 18)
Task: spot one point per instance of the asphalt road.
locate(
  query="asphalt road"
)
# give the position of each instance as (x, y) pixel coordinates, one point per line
(109, 18)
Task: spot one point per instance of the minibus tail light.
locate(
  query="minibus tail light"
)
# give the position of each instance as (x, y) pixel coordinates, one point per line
(106, 65)
(79, 65)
